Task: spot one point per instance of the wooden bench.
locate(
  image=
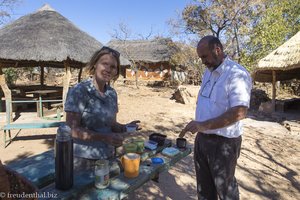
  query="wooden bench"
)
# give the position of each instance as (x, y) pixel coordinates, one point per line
(12, 126)
(59, 108)
(31, 125)
(23, 100)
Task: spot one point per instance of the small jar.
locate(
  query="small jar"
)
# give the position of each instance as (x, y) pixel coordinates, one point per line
(101, 174)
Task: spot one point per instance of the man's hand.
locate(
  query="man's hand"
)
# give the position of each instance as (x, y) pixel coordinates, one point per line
(231, 116)
(193, 127)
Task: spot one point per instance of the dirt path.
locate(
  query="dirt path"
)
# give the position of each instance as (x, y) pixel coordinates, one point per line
(268, 167)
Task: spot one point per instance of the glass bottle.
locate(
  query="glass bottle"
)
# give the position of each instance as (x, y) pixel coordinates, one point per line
(101, 174)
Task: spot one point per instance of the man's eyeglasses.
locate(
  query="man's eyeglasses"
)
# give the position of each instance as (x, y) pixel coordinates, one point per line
(207, 89)
(110, 50)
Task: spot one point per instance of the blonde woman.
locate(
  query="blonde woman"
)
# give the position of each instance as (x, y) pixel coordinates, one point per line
(91, 111)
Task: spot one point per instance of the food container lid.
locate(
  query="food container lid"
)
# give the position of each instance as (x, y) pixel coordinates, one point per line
(157, 160)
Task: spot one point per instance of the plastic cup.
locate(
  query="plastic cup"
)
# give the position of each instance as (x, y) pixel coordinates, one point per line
(130, 148)
(130, 128)
(140, 145)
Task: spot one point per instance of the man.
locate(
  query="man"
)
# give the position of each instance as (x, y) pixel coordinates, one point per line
(222, 102)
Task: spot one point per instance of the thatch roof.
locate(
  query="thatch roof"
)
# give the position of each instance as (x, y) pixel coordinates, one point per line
(285, 60)
(157, 50)
(47, 38)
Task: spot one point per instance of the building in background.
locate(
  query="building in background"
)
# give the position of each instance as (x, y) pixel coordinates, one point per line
(150, 59)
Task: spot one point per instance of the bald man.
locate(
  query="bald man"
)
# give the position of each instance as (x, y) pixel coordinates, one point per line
(223, 101)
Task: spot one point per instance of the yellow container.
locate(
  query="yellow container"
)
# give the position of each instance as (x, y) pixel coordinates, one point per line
(131, 164)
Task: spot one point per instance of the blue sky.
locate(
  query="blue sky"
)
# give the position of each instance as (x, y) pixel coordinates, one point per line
(100, 17)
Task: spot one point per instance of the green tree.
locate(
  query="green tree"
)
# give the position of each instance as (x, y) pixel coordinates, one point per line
(11, 75)
(279, 21)
(225, 19)
(6, 8)
(249, 29)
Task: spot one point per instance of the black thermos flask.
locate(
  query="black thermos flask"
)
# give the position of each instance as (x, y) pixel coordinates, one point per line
(63, 158)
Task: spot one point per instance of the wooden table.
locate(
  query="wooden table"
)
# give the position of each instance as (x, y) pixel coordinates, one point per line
(46, 94)
(40, 171)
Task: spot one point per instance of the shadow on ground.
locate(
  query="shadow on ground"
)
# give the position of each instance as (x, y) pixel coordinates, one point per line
(177, 183)
(266, 162)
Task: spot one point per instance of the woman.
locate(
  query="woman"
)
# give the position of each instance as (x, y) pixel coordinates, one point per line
(91, 108)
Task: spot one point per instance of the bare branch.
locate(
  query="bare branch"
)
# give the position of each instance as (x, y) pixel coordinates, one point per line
(6, 8)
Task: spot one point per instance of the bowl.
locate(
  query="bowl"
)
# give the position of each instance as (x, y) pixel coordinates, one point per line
(159, 138)
(131, 128)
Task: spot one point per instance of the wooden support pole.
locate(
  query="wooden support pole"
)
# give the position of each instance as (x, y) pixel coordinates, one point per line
(79, 74)
(7, 95)
(66, 83)
(273, 90)
(42, 77)
(137, 66)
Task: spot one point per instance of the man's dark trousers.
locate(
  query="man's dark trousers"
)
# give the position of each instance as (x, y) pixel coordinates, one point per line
(215, 162)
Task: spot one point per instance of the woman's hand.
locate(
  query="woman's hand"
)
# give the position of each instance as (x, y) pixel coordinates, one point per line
(114, 139)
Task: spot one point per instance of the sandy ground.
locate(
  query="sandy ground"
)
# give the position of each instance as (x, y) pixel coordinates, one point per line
(268, 167)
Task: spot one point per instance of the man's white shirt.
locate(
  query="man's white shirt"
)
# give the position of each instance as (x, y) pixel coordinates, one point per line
(227, 86)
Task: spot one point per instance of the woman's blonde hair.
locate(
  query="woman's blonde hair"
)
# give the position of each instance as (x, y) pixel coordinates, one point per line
(90, 67)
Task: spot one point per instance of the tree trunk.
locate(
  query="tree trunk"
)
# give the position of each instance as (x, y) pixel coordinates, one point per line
(237, 43)
(136, 70)
(7, 95)
(273, 91)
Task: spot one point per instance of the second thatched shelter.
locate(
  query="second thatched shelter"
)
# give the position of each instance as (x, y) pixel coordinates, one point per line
(284, 61)
(281, 64)
(151, 57)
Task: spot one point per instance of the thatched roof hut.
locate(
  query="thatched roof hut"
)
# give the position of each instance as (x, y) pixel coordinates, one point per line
(285, 61)
(156, 50)
(281, 64)
(150, 55)
(45, 37)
